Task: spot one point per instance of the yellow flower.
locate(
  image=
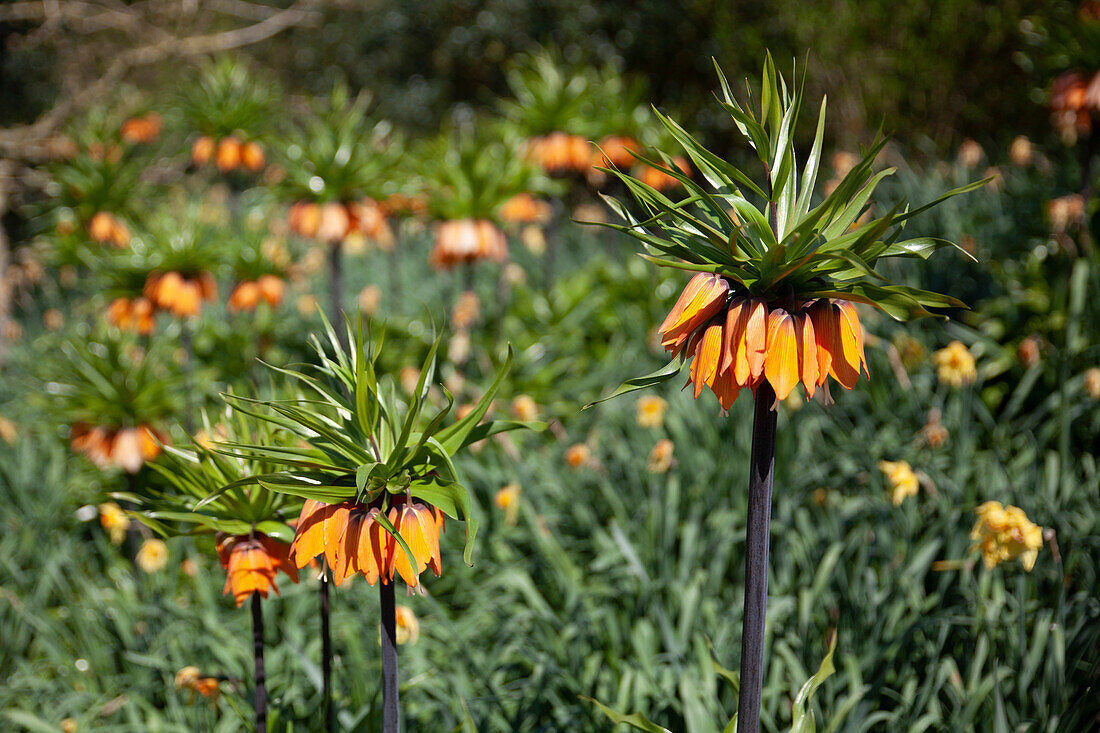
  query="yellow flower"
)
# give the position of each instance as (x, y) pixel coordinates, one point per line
(508, 500)
(578, 455)
(955, 364)
(660, 458)
(68, 725)
(651, 411)
(903, 482)
(408, 626)
(1092, 383)
(1003, 533)
(114, 520)
(187, 677)
(153, 556)
(8, 431)
(525, 408)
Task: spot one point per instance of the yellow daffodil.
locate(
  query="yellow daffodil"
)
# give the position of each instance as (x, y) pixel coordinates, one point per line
(153, 556)
(955, 365)
(1003, 533)
(651, 411)
(901, 478)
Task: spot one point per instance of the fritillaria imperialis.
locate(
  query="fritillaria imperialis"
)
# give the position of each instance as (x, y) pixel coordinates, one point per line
(778, 269)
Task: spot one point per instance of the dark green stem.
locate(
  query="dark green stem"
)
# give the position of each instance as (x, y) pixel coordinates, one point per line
(260, 694)
(757, 537)
(389, 658)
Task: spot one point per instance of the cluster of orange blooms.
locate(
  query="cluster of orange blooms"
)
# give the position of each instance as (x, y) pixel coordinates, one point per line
(462, 241)
(353, 541)
(523, 208)
(1074, 100)
(397, 204)
(132, 314)
(561, 153)
(144, 129)
(332, 222)
(125, 448)
(228, 154)
(658, 179)
(179, 294)
(106, 228)
(251, 562)
(248, 294)
(737, 341)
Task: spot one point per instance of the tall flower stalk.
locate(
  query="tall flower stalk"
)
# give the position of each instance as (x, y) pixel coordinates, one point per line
(375, 467)
(771, 303)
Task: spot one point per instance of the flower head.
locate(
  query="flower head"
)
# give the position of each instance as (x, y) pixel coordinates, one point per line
(903, 482)
(1003, 533)
(660, 458)
(408, 625)
(1092, 382)
(153, 556)
(353, 540)
(651, 411)
(507, 498)
(251, 562)
(955, 365)
(114, 520)
(578, 455)
(462, 241)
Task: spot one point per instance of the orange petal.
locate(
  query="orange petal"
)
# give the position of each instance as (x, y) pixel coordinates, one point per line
(707, 355)
(309, 537)
(781, 363)
(851, 335)
(725, 388)
(703, 297)
(807, 352)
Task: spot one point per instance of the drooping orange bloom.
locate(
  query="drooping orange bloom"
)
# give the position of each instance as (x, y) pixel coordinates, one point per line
(250, 293)
(132, 314)
(560, 153)
(251, 562)
(228, 155)
(615, 150)
(303, 218)
(182, 296)
(461, 241)
(352, 540)
(334, 223)
(106, 228)
(202, 150)
(368, 217)
(660, 180)
(523, 208)
(734, 342)
(125, 448)
(252, 156)
(144, 129)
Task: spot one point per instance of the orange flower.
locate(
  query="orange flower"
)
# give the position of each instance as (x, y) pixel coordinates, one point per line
(228, 156)
(245, 297)
(202, 150)
(660, 180)
(272, 289)
(304, 218)
(523, 208)
(334, 223)
(106, 228)
(615, 150)
(369, 219)
(125, 448)
(578, 455)
(703, 298)
(735, 349)
(144, 129)
(252, 156)
(354, 541)
(560, 153)
(182, 296)
(251, 562)
(461, 241)
(135, 315)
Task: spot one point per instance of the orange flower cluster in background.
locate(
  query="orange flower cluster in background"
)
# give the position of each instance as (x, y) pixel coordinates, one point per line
(1074, 100)
(178, 294)
(144, 129)
(251, 562)
(125, 448)
(523, 208)
(132, 314)
(248, 294)
(615, 150)
(735, 342)
(333, 222)
(228, 154)
(353, 541)
(1003, 533)
(560, 153)
(463, 241)
(658, 179)
(106, 228)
